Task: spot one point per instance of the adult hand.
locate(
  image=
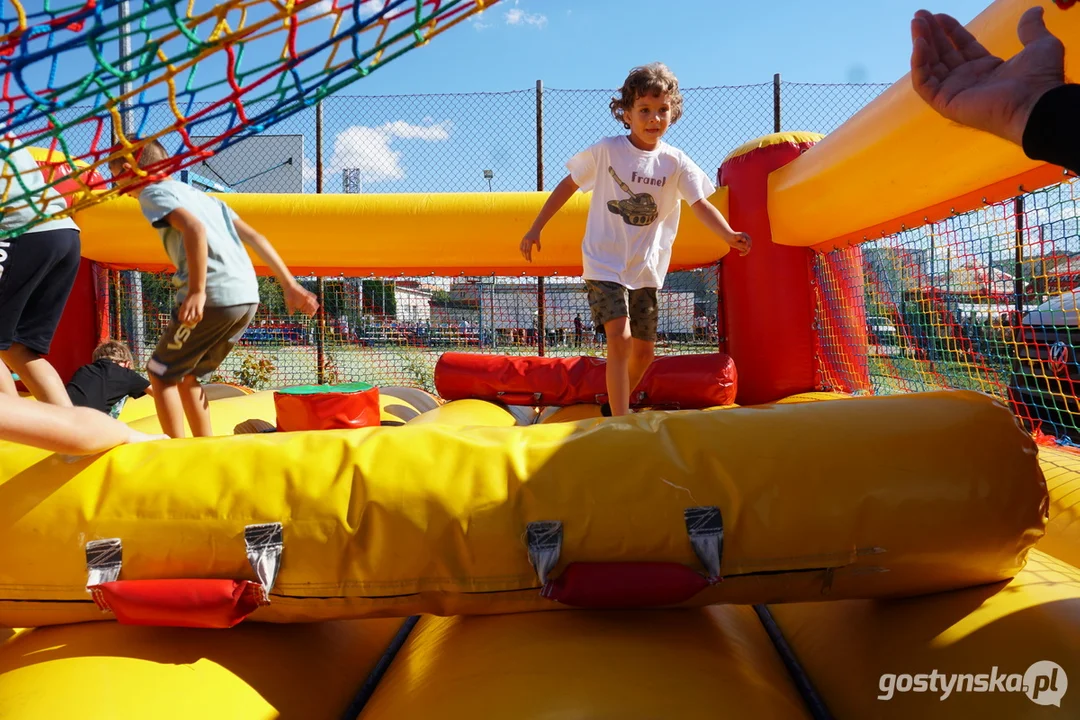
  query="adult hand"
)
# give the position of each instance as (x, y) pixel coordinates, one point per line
(964, 83)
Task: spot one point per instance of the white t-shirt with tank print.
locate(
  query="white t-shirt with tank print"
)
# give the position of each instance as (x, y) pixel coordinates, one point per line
(634, 212)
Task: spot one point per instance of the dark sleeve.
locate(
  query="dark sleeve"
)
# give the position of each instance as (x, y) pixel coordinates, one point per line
(135, 383)
(1052, 133)
(74, 388)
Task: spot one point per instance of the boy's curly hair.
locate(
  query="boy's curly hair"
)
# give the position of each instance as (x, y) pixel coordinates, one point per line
(652, 79)
(114, 350)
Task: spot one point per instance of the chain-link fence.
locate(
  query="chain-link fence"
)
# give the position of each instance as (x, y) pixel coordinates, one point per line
(391, 331)
(478, 141)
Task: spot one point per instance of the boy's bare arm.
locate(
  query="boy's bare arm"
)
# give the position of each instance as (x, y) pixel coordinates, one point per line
(713, 219)
(195, 248)
(296, 297)
(562, 192)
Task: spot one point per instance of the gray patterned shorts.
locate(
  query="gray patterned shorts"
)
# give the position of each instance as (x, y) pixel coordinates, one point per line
(608, 301)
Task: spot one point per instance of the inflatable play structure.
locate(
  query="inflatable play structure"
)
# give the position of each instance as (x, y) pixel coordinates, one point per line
(770, 533)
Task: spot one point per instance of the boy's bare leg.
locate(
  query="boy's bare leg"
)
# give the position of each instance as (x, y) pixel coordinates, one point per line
(641, 356)
(40, 378)
(169, 406)
(196, 408)
(618, 365)
(7, 383)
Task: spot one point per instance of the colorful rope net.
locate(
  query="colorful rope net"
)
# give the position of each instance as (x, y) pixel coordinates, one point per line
(985, 301)
(80, 79)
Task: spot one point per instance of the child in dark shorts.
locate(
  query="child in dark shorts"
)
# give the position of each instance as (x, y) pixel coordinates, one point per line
(37, 272)
(216, 288)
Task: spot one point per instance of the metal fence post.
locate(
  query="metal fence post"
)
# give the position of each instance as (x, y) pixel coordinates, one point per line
(541, 324)
(320, 288)
(776, 102)
(1018, 259)
(137, 332)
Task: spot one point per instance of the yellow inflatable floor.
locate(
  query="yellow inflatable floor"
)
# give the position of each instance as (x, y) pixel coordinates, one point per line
(699, 663)
(709, 663)
(106, 671)
(857, 652)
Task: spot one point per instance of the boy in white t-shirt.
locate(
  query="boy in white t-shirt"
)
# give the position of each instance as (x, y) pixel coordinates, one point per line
(637, 183)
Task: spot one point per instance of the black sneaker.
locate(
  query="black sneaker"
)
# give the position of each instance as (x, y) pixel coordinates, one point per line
(605, 410)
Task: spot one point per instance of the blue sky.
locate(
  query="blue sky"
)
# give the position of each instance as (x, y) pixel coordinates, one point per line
(443, 143)
(592, 43)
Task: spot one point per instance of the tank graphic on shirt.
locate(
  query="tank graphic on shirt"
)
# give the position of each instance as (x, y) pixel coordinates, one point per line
(638, 210)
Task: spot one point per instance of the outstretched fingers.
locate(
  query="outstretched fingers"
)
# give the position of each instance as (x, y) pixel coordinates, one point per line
(947, 53)
(924, 60)
(965, 43)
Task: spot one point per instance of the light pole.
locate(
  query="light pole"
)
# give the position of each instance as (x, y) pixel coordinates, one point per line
(488, 175)
(350, 180)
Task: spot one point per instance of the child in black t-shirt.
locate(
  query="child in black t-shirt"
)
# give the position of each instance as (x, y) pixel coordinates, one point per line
(108, 381)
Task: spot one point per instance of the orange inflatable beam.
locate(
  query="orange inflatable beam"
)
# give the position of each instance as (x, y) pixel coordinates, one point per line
(387, 235)
(899, 164)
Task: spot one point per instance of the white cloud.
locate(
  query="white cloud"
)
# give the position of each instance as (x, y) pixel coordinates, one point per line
(321, 9)
(431, 132)
(308, 169)
(517, 16)
(324, 8)
(370, 8)
(368, 150)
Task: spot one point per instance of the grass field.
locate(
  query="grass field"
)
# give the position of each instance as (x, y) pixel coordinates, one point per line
(283, 366)
(891, 375)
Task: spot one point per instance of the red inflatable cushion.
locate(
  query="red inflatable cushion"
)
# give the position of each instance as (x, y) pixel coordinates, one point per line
(613, 585)
(327, 407)
(675, 381)
(196, 603)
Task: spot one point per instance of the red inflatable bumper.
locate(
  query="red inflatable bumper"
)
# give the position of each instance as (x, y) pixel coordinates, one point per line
(677, 381)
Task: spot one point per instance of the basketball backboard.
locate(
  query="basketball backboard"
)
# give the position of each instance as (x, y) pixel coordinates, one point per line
(257, 164)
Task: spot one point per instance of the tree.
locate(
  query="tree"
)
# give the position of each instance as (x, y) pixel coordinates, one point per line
(379, 297)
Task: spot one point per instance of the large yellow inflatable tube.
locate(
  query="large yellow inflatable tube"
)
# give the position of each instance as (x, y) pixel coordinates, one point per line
(1060, 467)
(871, 497)
(856, 653)
(897, 162)
(104, 671)
(473, 234)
